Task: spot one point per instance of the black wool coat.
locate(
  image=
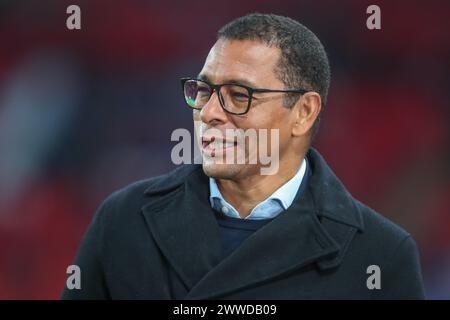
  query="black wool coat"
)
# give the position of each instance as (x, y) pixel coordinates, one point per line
(159, 239)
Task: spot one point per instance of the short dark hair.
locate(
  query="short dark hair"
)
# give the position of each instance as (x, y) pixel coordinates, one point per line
(303, 61)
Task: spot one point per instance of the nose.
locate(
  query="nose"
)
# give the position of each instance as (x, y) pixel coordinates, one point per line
(212, 112)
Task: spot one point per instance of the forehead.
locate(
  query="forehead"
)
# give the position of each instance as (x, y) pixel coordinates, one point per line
(251, 60)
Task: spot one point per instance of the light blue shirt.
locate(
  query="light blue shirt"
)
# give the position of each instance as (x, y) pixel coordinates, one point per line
(269, 208)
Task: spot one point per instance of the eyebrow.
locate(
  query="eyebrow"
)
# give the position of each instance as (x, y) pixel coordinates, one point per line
(230, 81)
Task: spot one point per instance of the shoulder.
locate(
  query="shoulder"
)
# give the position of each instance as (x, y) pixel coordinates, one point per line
(384, 242)
(132, 197)
(379, 227)
(391, 248)
(335, 202)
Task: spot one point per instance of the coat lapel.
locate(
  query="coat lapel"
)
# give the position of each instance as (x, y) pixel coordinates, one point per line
(184, 229)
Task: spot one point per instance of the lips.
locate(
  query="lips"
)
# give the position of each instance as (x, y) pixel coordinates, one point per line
(215, 146)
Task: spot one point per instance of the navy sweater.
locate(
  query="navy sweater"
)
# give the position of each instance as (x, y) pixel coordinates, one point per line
(235, 231)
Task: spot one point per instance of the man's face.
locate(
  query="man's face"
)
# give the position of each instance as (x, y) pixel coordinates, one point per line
(249, 63)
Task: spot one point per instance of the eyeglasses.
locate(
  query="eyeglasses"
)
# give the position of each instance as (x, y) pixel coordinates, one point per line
(234, 98)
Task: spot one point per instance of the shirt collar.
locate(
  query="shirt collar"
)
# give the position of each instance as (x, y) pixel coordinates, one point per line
(277, 202)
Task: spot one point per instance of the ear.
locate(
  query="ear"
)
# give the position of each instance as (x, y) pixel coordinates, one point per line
(306, 111)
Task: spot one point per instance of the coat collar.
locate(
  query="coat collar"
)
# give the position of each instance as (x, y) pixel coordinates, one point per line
(316, 229)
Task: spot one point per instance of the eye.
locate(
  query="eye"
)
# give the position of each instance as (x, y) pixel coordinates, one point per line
(203, 89)
(239, 95)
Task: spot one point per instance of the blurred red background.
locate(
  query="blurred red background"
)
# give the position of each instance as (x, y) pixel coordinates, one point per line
(85, 112)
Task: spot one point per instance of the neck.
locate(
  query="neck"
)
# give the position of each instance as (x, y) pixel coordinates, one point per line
(244, 194)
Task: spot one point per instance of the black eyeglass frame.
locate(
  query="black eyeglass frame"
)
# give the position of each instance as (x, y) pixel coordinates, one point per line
(250, 90)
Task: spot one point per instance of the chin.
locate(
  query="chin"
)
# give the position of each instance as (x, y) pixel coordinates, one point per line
(221, 171)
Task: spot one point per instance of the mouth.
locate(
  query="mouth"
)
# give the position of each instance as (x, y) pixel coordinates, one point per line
(217, 146)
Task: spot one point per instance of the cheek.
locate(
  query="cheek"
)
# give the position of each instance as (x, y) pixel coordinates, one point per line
(256, 118)
(267, 116)
(281, 122)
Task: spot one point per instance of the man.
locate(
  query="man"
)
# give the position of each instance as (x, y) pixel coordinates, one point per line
(224, 230)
